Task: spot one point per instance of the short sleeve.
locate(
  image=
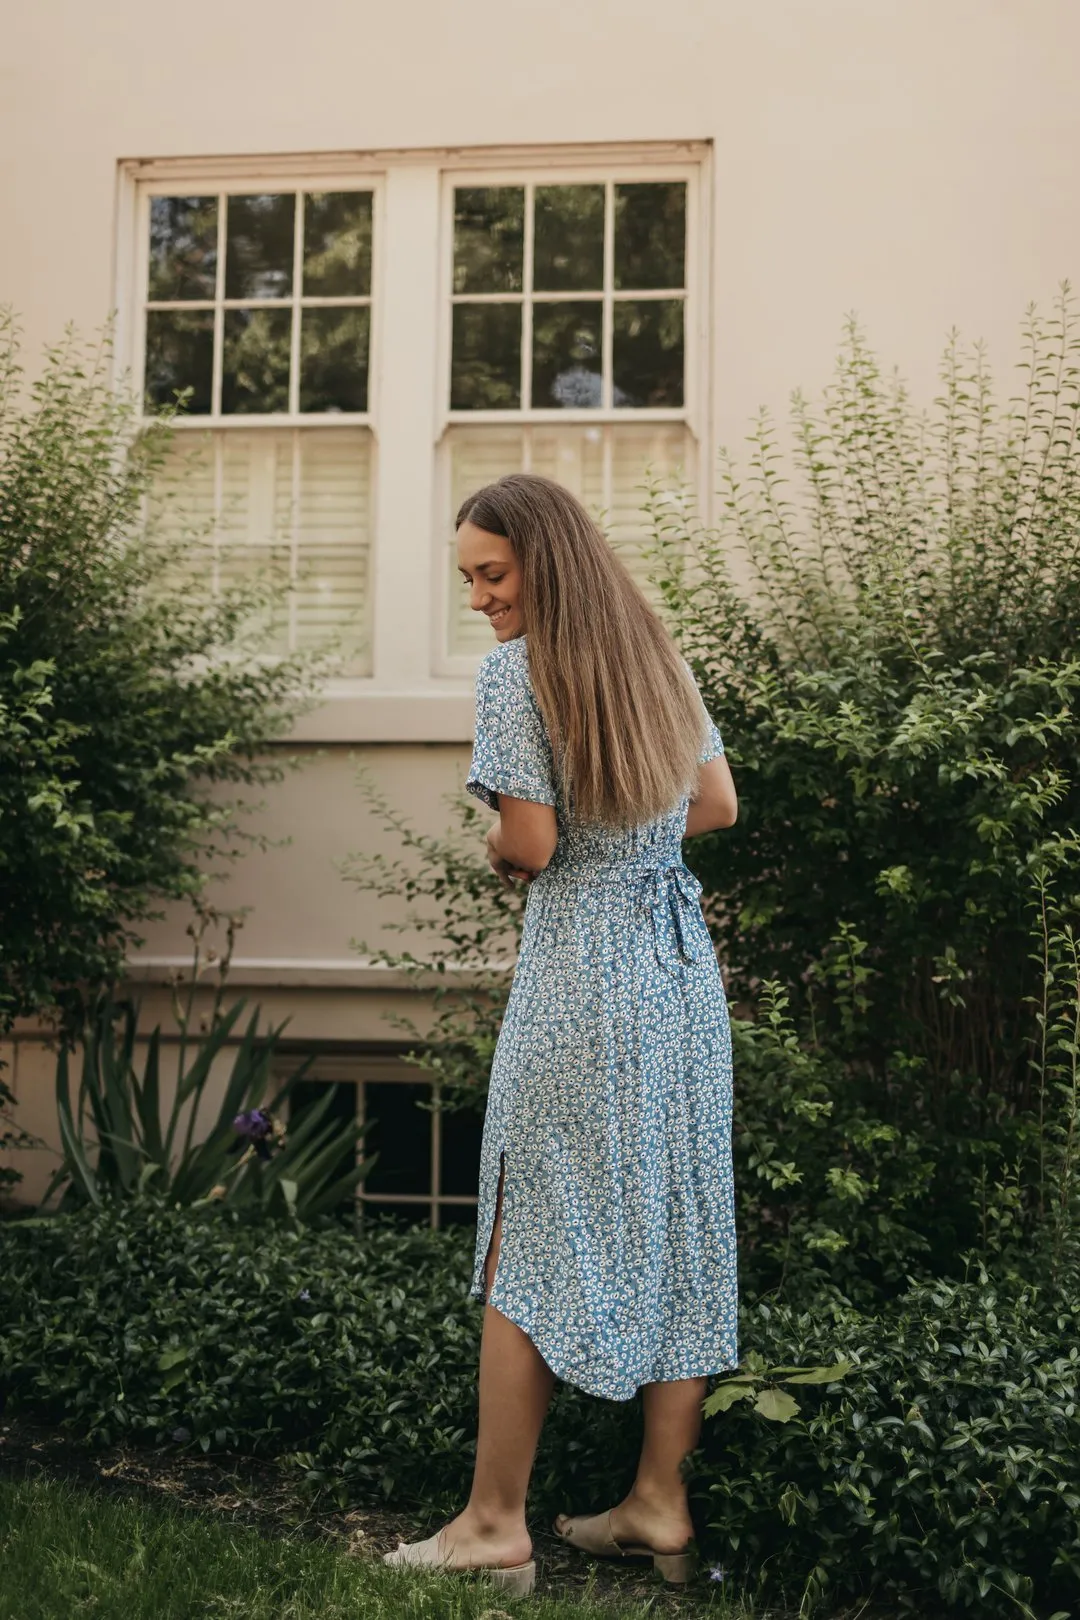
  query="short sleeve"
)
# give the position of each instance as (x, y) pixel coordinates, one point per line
(714, 743)
(511, 751)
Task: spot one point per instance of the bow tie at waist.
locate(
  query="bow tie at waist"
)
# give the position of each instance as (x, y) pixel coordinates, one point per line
(670, 895)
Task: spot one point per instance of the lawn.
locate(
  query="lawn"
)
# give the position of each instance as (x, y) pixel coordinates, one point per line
(67, 1549)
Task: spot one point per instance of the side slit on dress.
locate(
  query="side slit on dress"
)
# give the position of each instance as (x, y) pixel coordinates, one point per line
(495, 1224)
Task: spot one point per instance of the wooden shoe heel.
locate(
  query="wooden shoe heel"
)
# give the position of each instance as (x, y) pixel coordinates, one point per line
(518, 1579)
(674, 1567)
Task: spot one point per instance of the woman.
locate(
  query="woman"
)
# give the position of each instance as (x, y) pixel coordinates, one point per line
(605, 1250)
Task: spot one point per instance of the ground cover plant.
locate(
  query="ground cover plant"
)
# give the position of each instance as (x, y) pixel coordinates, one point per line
(940, 1471)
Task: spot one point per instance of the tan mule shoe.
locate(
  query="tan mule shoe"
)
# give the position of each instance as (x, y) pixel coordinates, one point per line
(593, 1534)
(517, 1579)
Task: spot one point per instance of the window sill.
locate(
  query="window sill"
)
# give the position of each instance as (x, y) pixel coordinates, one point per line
(349, 714)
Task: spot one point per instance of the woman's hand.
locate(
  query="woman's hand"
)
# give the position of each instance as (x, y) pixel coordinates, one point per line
(509, 875)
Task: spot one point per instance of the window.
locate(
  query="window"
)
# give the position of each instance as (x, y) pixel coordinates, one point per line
(428, 1161)
(259, 304)
(367, 338)
(568, 348)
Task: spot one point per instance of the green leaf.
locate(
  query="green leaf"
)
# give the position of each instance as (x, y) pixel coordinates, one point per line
(823, 1375)
(776, 1405)
(172, 1358)
(722, 1399)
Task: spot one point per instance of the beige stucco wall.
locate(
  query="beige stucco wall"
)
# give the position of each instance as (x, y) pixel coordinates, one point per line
(915, 161)
(912, 159)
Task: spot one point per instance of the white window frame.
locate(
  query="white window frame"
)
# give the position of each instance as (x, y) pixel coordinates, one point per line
(417, 691)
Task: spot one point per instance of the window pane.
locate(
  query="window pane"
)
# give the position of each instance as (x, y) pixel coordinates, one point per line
(183, 247)
(255, 521)
(457, 1214)
(334, 527)
(663, 452)
(401, 1134)
(255, 368)
(334, 359)
(179, 354)
(566, 355)
(568, 251)
(180, 509)
(489, 238)
(259, 246)
(486, 369)
(648, 353)
(650, 235)
(337, 244)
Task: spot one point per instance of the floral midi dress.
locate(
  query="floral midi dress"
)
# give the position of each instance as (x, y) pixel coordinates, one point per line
(609, 1106)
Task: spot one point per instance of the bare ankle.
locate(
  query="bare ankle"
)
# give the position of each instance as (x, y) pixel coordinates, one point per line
(487, 1520)
(662, 1498)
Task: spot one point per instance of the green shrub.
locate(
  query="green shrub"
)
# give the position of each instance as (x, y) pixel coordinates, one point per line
(943, 1471)
(888, 640)
(123, 703)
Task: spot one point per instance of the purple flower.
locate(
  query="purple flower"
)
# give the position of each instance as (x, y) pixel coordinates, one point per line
(303, 1295)
(718, 1573)
(255, 1124)
(255, 1127)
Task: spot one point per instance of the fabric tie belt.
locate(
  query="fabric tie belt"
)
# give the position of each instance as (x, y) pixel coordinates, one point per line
(670, 894)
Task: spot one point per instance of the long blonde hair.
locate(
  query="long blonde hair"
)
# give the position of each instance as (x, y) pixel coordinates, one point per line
(624, 718)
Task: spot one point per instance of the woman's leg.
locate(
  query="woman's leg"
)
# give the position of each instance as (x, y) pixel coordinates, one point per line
(656, 1504)
(655, 1511)
(515, 1389)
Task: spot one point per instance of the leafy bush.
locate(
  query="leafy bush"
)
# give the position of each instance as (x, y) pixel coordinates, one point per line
(893, 659)
(945, 1472)
(123, 704)
(942, 1471)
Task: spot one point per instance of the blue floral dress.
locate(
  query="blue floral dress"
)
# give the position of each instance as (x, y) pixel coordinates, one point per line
(611, 1088)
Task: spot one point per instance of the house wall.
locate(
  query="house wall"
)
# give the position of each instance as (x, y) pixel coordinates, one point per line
(912, 161)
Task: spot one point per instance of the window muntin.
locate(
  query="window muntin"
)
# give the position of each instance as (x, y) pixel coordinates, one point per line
(260, 303)
(569, 296)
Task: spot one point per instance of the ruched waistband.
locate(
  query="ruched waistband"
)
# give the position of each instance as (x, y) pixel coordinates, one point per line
(667, 890)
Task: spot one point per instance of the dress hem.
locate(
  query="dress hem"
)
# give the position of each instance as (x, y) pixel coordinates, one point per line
(559, 1365)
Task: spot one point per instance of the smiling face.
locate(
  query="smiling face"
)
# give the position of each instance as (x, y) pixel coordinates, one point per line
(490, 569)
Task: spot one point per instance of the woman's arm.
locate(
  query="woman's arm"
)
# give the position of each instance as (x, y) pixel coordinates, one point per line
(523, 840)
(715, 804)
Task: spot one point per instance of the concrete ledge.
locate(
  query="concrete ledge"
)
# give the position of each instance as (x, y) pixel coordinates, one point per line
(345, 973)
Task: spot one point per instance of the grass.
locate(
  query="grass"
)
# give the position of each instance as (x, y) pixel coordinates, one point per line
(67, 1550)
